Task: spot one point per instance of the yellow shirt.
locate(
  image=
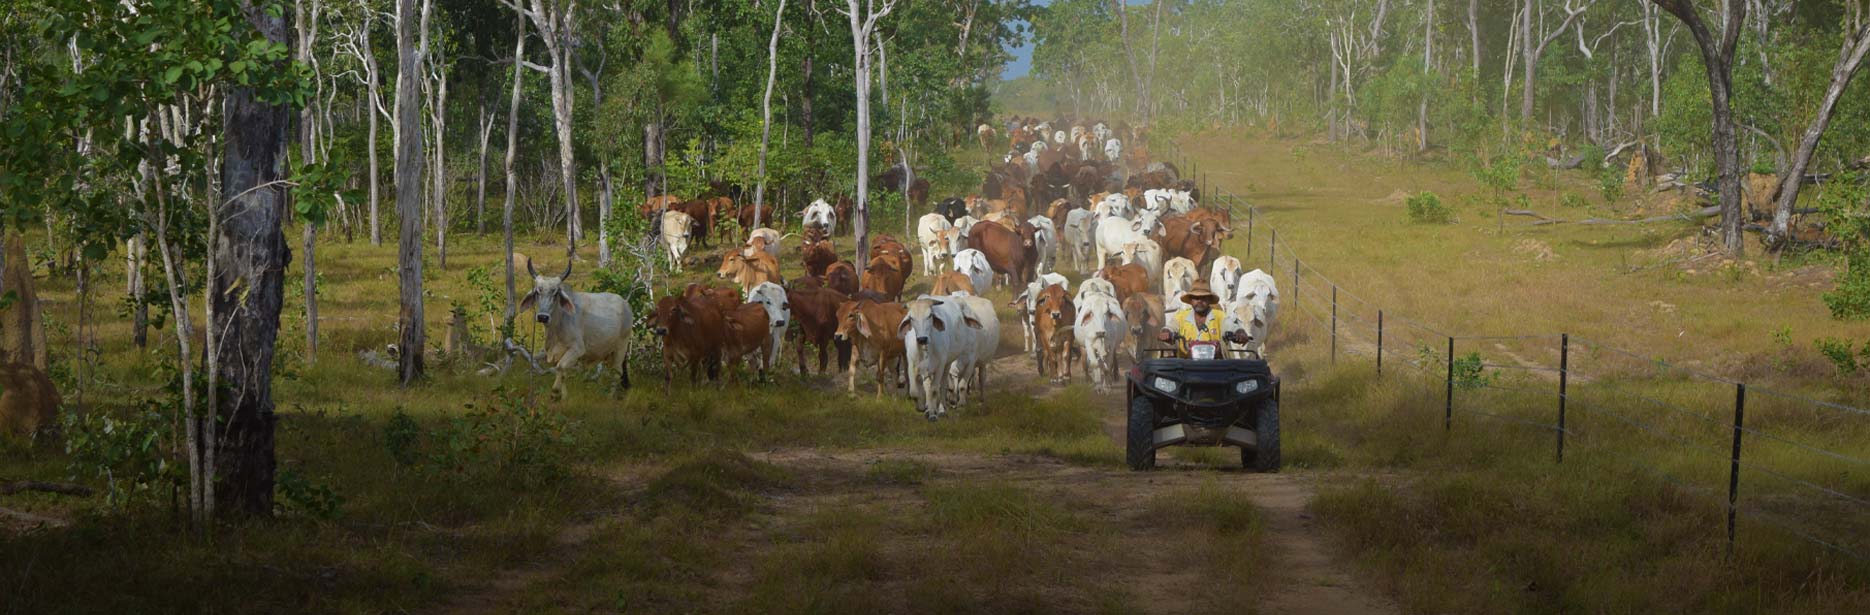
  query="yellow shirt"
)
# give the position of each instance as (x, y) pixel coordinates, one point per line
(1187, 328)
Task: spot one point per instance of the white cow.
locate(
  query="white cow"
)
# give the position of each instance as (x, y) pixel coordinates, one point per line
(973, 264)
(936, 235)
(1156, 200)
(1101, 131)
(934, 336)
(1113, 233)
(962, 226)
(1257, 287)
(770, 236)
(1045, 240)
(1059, 137)
(1181, 201)
(1115, 204)
(1094, 286)
(822, 214)
(1178, 275)
(579, 327)
(1243, 319)
(675, 229)
(1032, 157)
(1145, 252)
(969, 372)
(1224, 277)
(1113, 149)
(1099, 326)
(778, 313)
(1080, 236)
(1028, 303)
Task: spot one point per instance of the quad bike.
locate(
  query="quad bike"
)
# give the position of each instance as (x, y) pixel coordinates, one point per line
(1203, 401)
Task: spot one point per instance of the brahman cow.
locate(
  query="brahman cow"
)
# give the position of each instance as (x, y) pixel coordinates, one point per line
(864, 325)
(818, 256)
(1011, 253)
(1113, 233)
(880, 277)
(1147, 253)
(1079, 236)
(934, 234)
(969, 373)
(973, 264)
(1224, 277)
(778, 307)
(935, 335)
(579, 327)
(821, 215)
(676, 227)
(1052, 315)
(951, 282)
(841, 276)
(1045, 242)
(1099, 326)
(816, 312)
(749, 271)
(1127, 279)
(691, 329)
(1145, 314)
(749, 335)
(1027, 302)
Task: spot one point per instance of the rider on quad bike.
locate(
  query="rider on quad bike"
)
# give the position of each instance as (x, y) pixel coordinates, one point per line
(1199, 325)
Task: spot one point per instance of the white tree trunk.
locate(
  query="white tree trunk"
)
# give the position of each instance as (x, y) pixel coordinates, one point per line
(766, 110)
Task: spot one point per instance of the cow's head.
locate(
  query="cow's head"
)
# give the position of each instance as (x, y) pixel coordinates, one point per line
(731, 265)
(851, 321)
(548, 294)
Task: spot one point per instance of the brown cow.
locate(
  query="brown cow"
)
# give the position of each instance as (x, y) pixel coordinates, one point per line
(841, 276)
(749, 271)
(870, 327)
(1221, 216)
(1197, 240)
(880, 276)
(1053, 323)
(725, 299)
(818, 256)
(1128, 279)
(655, 204)
(1013, 253)
(745, 214)
(691, 331)
(703, 215)
(748, 332)
(888, 246)
(950, 282)
(816, 311)
(1144, 313)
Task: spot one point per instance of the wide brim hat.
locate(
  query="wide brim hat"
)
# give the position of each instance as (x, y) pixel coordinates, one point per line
(1200, 290)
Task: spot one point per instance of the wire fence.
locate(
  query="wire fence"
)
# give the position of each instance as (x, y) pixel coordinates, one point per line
(1800, 460)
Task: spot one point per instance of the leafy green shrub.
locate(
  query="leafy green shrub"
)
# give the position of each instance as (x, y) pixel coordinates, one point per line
(1851, 299)
(1840, 353)
(1470, 372)
(515, 437)
(1426, 208)
(298, 495)
(1501, 175)
(1572, 200)
(1593, 157)
(403, 438)
(1610, 184)
(125, 452)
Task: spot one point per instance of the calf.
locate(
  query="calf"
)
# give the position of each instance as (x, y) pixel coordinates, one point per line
(934, 336)
(973, 264)
(691, 329)
(818, 256)
(1126, 279)
(841, 276)
(1099, 326)
(952, 282)
(676, 227)
(749, 271)
(1045, 243)
(880, 277)
(1147, 254)
(933, 234)
(579, 327)
(1145, 314)
(1027, 304)
(816, 312)
(1225, 277)
(778, 307)
(749, 335)
(1053, 324)
(865, 325)
(1177, 276)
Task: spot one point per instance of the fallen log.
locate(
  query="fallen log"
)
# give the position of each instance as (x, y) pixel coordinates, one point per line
(17, 486)
(32, 518)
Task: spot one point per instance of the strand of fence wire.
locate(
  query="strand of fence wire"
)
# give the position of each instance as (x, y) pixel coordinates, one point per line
(1832, 454)
(1824, 404)
(1496, 338)
(1522, 390)
(1594, 345)
(1573, 402)
(1861, 503)
(1511, 419)
(1530, 368)
(1673, 408)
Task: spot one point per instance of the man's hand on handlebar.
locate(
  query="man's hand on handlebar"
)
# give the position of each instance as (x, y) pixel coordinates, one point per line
(1235, 337)
(1165, 336)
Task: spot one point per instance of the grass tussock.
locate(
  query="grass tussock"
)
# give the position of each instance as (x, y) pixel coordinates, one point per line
(717, 483)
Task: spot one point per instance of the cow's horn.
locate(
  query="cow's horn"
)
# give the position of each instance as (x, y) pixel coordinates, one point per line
(529, 269)
(567, 274)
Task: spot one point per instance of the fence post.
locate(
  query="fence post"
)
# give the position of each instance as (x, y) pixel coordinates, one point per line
(1564, 374)
(1379, 343)
(1249, 229)
(1295, 283)
(1334, 324)
(1447, 421)
(1733, 473)
(1272, 253)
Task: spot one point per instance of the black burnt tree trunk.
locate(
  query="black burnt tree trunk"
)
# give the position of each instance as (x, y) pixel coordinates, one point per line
(250, 257)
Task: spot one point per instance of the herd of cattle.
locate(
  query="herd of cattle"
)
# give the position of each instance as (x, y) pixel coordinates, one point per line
(1133, 231)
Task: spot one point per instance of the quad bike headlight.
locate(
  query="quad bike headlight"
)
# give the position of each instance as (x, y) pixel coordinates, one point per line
(1164, 384)
(1246, 386)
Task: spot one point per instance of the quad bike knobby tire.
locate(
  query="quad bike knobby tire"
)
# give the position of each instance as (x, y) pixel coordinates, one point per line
(1140, 445)
(1264, 458)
